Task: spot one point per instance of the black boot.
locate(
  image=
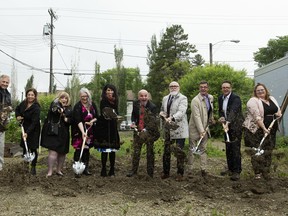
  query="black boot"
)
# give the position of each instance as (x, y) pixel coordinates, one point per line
(33, 170)
(104, 161)
(86, 156)
(112, 164)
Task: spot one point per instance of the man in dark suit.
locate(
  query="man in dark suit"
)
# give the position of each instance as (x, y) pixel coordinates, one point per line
(144, 122)
(230, 113)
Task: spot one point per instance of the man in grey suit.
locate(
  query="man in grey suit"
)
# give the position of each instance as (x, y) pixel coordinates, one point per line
(173, 111)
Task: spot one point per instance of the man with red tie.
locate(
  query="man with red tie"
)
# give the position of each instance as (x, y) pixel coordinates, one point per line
(144, 122)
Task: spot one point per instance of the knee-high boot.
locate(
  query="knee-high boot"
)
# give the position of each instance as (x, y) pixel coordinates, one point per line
(112, 163)
(104, 161)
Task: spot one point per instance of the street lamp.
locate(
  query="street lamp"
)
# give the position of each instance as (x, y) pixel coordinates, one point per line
(211, 47)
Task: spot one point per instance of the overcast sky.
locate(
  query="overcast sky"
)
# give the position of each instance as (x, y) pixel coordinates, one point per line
(86, 31)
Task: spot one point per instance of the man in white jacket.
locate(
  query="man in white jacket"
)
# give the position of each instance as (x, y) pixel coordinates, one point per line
(173, 111)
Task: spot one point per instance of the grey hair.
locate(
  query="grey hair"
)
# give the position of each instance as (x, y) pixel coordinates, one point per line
(85, 90)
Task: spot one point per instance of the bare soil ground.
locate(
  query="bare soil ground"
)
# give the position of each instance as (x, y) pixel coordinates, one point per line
(23, 194)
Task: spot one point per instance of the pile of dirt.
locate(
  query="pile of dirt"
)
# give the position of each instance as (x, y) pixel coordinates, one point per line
(23, 194)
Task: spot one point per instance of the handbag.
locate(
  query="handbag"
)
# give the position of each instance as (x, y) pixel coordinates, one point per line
(53, 127)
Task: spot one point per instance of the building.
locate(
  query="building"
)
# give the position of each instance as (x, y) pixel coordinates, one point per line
(275, 77)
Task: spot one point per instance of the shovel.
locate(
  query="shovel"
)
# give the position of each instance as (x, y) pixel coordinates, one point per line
(258, 150)
(195, 150)
(78, 166)
(28, 156)
(226, 133)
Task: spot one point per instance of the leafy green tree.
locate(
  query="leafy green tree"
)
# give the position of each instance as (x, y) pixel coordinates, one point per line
(215, 75)
(45, 100)
(168, 60)
(30, 83)
(276, 49)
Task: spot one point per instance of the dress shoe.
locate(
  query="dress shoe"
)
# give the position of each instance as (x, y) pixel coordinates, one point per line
(226, 172)
(164, 176)
(131, 173)
(59, 174)
(204, 173)
(87, 172)
(111, 172)
(179, 177)
(235, 176)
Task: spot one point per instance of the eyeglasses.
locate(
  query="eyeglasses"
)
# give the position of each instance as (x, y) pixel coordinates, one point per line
(84, 97)
(260, 90)
(173, 86)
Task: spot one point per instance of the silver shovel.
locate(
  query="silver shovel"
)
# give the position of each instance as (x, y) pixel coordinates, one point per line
(258, 150)
(226, 133)
(79, 166)
(28, 156)
(195, 150)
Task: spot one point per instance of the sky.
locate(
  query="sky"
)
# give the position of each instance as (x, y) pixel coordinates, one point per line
(87, 31)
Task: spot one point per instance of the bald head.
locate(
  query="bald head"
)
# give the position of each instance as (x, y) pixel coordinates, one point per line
(143, 96)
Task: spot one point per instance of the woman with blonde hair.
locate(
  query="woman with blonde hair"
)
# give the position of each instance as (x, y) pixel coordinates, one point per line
(57, 141)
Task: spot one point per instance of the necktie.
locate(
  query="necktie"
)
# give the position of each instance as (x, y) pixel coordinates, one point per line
(170, 100)
(141, 118)
(207, 102)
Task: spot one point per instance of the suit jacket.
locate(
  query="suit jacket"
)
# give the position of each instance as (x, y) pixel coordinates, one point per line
(200, 117)
(178, 110)
(233, 113)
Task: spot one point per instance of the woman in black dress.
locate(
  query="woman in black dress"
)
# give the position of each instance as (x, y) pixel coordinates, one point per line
(28, 114)
(107, 139)
(60, 112)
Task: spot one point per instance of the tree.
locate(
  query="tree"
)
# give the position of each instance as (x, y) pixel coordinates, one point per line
(169, 60)
(198, 60)
(215, 75)
(276, 49)
(120, 77)
(29, 83)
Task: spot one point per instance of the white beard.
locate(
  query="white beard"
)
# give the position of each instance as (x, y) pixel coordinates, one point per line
(173, 93)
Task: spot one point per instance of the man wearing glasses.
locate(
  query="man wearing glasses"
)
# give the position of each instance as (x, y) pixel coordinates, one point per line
(173, 111)
(230, 113)
(201, 117)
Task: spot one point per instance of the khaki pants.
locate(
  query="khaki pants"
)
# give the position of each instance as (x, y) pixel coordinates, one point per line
(2, 142)
(203, 156)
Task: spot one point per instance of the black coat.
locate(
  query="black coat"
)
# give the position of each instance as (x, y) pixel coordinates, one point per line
(31, 123)
(5, 100)
(234, 114)
(59, 143)
(151, 122)
(106, 131)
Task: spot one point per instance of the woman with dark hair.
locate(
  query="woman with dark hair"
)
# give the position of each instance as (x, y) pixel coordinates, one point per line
(60, 113)
(262, 109)
(85, 114)
(107, 139)
(28, 113)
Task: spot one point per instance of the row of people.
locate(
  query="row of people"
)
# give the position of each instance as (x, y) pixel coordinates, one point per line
(262, 109)
(104, 135)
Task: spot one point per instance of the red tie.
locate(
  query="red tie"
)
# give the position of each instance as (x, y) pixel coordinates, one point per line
(141, 119)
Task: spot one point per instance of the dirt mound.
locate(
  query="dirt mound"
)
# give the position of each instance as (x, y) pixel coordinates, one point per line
(24, 194)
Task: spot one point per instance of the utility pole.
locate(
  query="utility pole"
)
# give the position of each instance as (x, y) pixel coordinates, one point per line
(52, 16)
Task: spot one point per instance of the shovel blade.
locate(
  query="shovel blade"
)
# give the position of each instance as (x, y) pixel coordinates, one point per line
(259, 152)
(78, 167)
(197, 151)
(28, 157)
